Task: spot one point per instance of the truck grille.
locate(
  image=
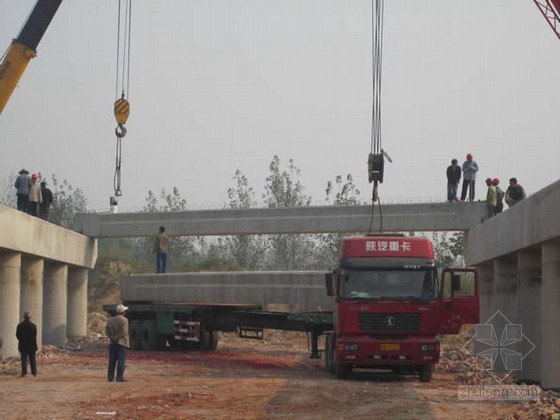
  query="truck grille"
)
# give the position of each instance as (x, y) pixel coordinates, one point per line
(389, 322)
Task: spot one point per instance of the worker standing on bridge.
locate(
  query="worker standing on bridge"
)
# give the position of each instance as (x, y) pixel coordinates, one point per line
(515, 192)
(453, 178)
(499, 196)
(117, 331)
(35, 196)
(161, 246)
(470, 168)
(491, 197)
(23, 184)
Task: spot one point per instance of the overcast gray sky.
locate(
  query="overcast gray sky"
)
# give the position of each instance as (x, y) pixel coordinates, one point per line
(223, 85)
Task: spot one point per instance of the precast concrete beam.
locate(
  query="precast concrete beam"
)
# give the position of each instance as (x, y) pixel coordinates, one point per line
(32, 271)
(325, 219)
(532, 221)
(10, 278)
(550, 316)
(55, 300)
(77, 303)
(305, 289)
(33, 236)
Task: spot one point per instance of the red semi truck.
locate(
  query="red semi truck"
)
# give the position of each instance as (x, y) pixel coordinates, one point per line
(391, 305)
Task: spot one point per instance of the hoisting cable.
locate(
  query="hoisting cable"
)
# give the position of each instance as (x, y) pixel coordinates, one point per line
(122, 85)
(377, 155)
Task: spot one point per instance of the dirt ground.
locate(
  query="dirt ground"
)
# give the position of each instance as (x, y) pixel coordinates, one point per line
(242, 379)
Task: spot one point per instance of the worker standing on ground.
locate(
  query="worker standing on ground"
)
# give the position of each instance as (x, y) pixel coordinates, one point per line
(117, 331)
(453, 178)
(491, 198)
(515, 192)
(499, 196)
(26, 333)
(161, 246)
(23, 184)
(470, 168)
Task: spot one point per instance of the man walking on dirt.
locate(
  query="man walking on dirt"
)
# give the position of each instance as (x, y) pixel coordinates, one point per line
(117, 331)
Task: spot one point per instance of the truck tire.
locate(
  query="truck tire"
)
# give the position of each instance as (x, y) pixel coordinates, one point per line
(135, 334)
(426, 372)
(329, 353)
(342, 371)
(148, 336)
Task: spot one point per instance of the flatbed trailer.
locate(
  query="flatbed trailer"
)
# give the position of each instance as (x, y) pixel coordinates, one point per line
(155, 326)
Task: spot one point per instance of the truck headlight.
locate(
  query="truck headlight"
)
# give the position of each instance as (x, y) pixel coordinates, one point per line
(428, 347)
(351, 347)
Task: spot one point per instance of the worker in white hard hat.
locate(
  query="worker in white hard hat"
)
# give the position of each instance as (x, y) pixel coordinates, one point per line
(117, 331)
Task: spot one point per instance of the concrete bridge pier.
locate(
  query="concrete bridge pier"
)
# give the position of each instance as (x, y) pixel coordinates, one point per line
(77, 303)
(505, 310)
(550, 315)
(55, 299)
(529, 310)
(485, 284)
(32, 292)
(10, 290)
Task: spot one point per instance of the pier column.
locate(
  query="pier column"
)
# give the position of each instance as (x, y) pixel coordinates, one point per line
(486, 282)
(55, 299)
(550, 316)
(10, 316)
(529, 310)
(77, 302)
(505, 311)
(32, 292)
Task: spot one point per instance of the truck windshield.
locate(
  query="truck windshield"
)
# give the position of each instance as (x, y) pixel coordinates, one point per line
(389, 284)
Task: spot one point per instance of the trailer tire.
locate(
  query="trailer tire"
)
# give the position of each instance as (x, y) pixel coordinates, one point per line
(135, 334)
(426, 373)
(205, 339)
(342, 371)
(213, 340)
(149, 338)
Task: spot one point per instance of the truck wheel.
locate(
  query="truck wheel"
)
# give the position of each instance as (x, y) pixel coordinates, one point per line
(342, 371)
(213, 340)
(426, 372)
(148, 335)
(329, 353)
(135, 334)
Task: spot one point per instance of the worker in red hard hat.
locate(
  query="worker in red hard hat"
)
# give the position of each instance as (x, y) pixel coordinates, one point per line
(491, 197)
(35, 196)
(499, 196)
(470, 168)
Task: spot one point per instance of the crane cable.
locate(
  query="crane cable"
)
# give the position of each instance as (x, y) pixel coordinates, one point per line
(122, 84)
(377, 154)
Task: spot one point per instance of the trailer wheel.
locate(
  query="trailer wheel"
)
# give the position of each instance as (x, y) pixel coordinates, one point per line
(342, 371)
(329, 353)
(213, 340)
(426, 373)
(135, 334)
(148, 335)
(205, 339)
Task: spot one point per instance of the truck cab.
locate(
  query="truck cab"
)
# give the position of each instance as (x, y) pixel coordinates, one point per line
(391, 304)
